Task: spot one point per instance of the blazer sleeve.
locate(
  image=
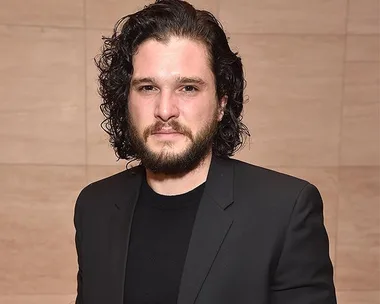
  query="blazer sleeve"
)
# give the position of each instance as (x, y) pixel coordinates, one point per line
(304, 274)
(78, 245)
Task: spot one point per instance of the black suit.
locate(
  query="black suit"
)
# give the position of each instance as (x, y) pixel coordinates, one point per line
(258, 238)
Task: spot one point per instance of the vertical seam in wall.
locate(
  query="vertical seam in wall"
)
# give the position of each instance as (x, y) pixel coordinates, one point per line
(378, 69)
(340, 137)
(85, 89)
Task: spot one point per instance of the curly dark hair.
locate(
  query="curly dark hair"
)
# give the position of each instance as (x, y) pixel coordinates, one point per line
(160, 21)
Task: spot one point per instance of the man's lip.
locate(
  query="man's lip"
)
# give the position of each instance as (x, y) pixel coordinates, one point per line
(166, 132)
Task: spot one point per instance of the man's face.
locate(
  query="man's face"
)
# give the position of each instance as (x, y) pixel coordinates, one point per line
(173, 109)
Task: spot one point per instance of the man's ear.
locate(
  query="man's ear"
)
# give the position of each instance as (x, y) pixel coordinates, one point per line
(222, 106)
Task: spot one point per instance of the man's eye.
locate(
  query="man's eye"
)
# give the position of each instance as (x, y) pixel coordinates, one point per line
(190, 88)
(146, 88)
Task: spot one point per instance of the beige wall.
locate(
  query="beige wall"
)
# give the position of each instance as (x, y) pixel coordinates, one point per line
(313, 82)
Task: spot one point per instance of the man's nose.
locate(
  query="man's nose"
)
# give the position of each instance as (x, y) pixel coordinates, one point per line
(166, 106)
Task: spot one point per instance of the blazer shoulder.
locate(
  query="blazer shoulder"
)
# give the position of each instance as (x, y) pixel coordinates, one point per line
(266, 177)
(268, 188)
(273, 194)
(103, 189)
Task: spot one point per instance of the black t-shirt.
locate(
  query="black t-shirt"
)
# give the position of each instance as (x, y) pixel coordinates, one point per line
(160, 236)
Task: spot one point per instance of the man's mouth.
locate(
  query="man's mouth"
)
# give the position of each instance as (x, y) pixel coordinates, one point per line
(166, 131)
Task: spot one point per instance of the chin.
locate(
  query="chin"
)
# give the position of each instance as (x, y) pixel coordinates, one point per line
(174, 148)
(168, 152)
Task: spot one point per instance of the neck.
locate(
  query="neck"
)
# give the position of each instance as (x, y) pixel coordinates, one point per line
(179, 184)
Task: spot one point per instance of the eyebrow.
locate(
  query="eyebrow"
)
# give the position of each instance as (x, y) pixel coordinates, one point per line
(179, 80)
(145, 80)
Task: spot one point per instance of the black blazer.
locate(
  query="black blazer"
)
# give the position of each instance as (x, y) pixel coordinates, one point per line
(258, 238)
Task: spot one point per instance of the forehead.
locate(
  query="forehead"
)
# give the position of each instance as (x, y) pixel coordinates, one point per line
(172, 58)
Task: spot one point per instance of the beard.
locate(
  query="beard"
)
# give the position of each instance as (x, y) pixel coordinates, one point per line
(173, 163)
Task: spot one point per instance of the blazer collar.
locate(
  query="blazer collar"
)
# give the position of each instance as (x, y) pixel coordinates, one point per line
(219, 184)
(209, 231)
(124, 197)
(210, 228)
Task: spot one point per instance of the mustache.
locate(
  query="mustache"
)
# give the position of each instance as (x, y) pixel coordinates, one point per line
(172, 124)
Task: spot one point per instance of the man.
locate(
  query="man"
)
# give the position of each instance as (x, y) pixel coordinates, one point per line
(189, 224)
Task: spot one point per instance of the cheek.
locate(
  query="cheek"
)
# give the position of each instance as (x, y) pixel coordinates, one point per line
(202, 113)
(139, 113)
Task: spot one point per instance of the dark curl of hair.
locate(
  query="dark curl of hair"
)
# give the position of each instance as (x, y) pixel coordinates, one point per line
(160, 21)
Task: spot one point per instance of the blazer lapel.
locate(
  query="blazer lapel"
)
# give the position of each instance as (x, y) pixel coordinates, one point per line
(210, 228)
(124, 197)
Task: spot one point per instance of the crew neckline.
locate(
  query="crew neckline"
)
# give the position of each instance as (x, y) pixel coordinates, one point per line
(177, 201)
